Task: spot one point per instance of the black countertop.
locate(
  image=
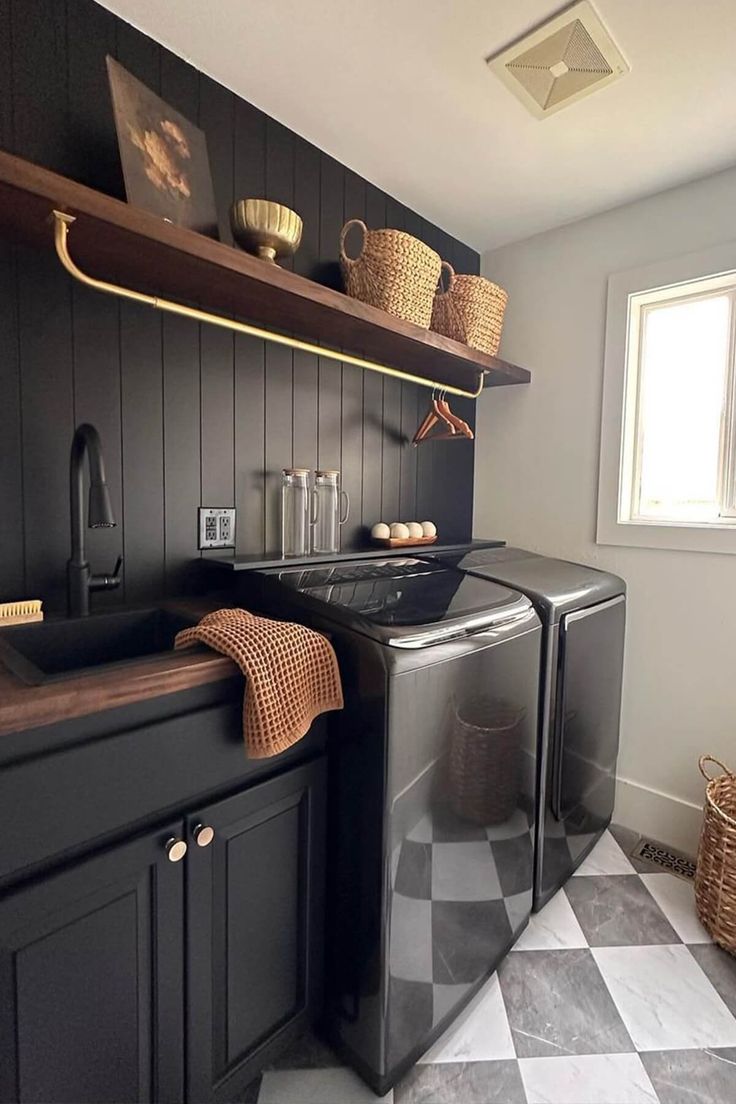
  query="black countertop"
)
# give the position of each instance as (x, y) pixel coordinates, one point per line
(273, 559)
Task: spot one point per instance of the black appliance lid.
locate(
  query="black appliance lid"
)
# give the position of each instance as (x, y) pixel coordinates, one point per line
(555, 586)
(404, 602)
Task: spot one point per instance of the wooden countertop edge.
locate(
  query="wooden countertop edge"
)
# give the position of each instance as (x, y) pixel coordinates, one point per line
(23, 707)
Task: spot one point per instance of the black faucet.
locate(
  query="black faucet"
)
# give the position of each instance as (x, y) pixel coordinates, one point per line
(80, 580)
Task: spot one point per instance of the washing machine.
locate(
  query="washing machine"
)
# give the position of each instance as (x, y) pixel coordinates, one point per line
(583, 613)
(432, 777)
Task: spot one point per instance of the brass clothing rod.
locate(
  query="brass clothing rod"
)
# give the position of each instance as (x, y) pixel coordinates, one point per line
(63, 221)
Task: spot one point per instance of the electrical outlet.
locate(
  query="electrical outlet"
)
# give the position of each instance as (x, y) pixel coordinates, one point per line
(216, 527)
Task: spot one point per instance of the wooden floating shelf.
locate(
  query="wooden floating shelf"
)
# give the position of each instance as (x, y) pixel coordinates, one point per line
(116, 242)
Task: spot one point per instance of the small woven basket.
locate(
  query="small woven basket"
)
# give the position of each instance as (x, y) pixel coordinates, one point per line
(715, 875)
(393, 271)
(485, 760)
(471, 310)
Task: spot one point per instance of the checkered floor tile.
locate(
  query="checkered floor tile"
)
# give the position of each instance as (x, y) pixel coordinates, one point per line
(613, 995)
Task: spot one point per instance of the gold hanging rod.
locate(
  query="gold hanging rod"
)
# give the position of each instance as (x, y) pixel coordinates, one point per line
(62, 222)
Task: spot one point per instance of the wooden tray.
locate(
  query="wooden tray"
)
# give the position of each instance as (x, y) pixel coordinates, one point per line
(403, 542)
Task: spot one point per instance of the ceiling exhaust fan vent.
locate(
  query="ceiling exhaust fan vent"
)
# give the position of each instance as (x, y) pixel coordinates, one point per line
(564, 59)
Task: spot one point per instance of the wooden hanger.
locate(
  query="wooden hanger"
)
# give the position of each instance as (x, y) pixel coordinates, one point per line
(439, 413)
(461, 427)
(431, 418)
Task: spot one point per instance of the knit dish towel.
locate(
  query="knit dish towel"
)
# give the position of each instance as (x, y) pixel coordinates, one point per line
(291, 673)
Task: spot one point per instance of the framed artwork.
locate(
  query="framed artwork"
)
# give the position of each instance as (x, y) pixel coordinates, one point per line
(164, 156)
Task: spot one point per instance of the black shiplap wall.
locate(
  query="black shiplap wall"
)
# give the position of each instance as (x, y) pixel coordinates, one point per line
(187, 414)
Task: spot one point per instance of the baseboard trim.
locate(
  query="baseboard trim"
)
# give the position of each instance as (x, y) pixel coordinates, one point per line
(658, 815)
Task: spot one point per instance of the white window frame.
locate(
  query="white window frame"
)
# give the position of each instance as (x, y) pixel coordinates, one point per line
(629, 294)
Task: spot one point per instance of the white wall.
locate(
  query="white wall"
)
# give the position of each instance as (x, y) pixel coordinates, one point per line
(537, 480)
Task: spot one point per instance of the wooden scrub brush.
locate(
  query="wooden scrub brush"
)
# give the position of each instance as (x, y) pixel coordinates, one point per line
(18, 613)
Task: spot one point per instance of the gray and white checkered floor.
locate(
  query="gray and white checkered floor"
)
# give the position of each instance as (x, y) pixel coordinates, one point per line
(613, 995)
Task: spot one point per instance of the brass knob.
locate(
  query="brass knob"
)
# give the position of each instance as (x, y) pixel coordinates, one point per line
(176, 849)
(203, 835)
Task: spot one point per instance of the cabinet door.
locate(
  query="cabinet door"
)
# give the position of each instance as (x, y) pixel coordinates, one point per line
(91, 980)
(254, 928)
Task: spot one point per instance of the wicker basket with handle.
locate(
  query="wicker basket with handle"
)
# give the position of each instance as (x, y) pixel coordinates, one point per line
(715, 876)
(471, 310)
(393, 271)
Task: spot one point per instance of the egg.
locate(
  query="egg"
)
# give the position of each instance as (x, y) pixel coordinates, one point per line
(429, 529)
(399, 531)
(415, 529)
(380, 531)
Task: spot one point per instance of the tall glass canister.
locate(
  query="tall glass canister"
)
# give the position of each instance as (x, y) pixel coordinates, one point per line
(295, 512)
(330, 509)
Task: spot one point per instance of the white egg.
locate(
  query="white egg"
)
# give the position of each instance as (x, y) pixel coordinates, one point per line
(399, 531)
(380, 531)
(415, 529)
(429, 529)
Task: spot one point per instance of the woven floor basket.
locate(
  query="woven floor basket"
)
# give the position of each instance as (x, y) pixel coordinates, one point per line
(485, 760)
(393, 271)
(471, 310)
(715, 876)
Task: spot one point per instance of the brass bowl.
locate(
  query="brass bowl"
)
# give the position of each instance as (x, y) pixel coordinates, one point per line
(265, 228)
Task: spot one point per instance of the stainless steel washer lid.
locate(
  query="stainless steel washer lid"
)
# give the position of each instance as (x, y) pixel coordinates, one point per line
(555, 586)
(405, 603)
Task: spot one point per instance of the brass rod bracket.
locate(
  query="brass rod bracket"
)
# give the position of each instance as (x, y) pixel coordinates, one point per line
(62, 223)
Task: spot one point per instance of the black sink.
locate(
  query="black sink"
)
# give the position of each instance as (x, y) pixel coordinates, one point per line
(52, 650)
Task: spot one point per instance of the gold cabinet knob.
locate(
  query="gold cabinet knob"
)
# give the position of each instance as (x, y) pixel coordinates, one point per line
(204, 835)
(176, 849)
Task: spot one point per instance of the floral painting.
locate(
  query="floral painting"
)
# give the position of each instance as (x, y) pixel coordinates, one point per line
(164, 156)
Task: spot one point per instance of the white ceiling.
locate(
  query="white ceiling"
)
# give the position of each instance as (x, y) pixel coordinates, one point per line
(399, 91)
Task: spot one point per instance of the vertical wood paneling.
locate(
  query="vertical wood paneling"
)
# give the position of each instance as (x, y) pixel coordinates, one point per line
(249, 155)
(182, 451)
(44, 325)
(218, 432)
(143, 452)
(371, 511)
(351, 462)
(6, 77)
(96, 363)
(278, 443)
(142, 372)
(185, 416)
(12, 570)
(307, 178)
(307, 175)
(305, 395)
(39, 68)
(91, 32)
(279, 360)
(249, 180)
(216, 119)
(250, 491)
(332, 192)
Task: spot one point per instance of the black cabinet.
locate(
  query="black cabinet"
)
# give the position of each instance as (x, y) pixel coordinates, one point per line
(91, 980)
(254, 923)
(116, 967)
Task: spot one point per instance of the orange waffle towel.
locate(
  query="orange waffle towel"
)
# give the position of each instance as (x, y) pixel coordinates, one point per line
(291, 671)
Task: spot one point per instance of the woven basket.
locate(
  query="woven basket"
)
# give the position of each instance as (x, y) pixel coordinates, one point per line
(470, 310)
(393, 271)
(485, 760)
(715, 876)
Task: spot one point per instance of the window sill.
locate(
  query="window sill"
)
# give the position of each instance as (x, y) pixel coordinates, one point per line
(668, 536)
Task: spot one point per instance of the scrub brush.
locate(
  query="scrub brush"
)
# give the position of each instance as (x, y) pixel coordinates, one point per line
(18, 613)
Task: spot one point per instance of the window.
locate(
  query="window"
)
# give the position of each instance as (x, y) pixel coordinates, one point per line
(668, 441)
(677, 462)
